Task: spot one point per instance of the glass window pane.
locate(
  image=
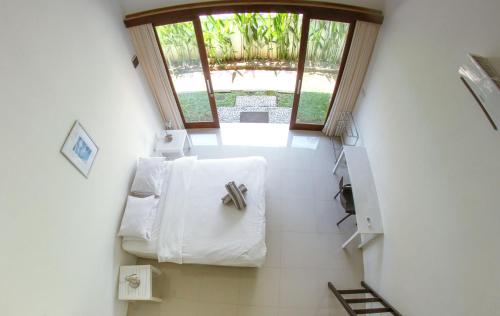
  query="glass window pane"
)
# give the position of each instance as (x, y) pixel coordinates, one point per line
(180, 48)
(325, 47)
(253, 60)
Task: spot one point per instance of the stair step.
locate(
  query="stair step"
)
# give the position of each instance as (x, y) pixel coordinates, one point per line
(357, 291)
(375, 297)
(372, 310)
(362, 300)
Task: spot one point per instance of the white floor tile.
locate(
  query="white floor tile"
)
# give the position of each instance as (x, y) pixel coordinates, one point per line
(300, 250)
(273, 214)
(180, 307)
(210, 309)
(325, 185)
(258, 311)
(332, 255)
(144, 308)
(299, 159)
(273, 243)
(303, 241)
(181, 281)
(340, 278)
(305, 312)
(299, 288)
(328, 213)
(298, 214)
(220, 285)
(260, 287)
(274, 188)
(297, 184)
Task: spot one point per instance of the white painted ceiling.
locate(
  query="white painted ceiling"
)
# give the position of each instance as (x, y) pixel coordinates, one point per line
(133, 6)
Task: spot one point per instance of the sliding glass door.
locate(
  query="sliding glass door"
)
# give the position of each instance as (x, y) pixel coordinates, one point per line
(287, 65)
(187, 67)
(322, 53)
(253, 60)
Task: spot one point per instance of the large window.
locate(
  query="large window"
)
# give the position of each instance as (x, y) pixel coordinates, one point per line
(253, 60)
(283, 63)
(325, 48)
(180, 48)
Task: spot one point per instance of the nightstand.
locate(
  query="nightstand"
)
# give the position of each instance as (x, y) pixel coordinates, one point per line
(175, 147)
(143, 292)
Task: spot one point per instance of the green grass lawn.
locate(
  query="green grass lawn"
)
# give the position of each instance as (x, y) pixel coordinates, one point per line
(195, 106)
(313, 106)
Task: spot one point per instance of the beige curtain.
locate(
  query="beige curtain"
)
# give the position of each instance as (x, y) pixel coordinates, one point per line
(362, 44)
(151, 61)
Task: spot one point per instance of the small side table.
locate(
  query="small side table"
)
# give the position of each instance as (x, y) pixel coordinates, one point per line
(144, 292)
(174, 148)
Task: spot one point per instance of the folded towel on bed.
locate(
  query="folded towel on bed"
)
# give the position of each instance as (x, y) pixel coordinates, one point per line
(236, 195)
(227, 198)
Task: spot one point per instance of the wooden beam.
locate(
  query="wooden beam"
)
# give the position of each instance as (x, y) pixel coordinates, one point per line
(178, 13)
(357, 291)
(372, 310)
(362, 300)
(341, 299)
(382, 300)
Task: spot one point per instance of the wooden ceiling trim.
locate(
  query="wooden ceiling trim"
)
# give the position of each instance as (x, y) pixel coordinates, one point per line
(314, 8)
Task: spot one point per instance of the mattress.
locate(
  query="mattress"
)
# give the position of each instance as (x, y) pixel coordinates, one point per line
(192, 224)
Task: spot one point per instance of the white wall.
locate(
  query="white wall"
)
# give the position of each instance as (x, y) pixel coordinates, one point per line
(134, 6)
(61, 61)
(435, 159)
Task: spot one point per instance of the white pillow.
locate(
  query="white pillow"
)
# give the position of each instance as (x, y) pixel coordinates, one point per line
(139, 217)
(149, 176)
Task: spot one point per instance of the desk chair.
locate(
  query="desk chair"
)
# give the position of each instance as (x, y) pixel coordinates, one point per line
(346, 199)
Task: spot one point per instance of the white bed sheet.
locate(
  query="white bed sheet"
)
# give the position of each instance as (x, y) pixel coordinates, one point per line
(193, 226)
(142, 248)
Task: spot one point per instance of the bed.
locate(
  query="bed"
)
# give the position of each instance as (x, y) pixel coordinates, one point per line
(193, 226)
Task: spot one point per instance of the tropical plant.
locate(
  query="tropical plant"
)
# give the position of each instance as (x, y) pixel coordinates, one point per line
(253, 37)
(217, 35)
(268, 36)
(179, 46)
(326, 42)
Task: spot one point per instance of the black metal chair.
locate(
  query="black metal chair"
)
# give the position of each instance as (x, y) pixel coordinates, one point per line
(346, 199)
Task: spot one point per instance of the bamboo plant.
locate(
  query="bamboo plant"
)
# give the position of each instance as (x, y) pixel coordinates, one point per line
(253, 38)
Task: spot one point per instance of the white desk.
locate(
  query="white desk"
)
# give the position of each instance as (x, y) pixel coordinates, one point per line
(365, 195)
(174, 148)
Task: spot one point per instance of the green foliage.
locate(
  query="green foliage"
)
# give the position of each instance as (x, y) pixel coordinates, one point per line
(217, 35)
(252, 37)
(179, 45)
(313, 106)
(195, 106)
(326, 42)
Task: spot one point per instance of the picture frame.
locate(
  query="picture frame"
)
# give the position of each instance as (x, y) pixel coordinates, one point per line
(80, 149)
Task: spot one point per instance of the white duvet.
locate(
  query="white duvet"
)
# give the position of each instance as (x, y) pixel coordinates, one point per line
(197, 228)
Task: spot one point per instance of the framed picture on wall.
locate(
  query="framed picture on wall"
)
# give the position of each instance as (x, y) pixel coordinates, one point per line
(80, 149)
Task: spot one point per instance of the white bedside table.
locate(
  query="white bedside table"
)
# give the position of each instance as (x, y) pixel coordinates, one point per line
(144, 292)
(174, 148)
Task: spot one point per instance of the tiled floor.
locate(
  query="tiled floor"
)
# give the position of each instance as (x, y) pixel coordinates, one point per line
(304, 244)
